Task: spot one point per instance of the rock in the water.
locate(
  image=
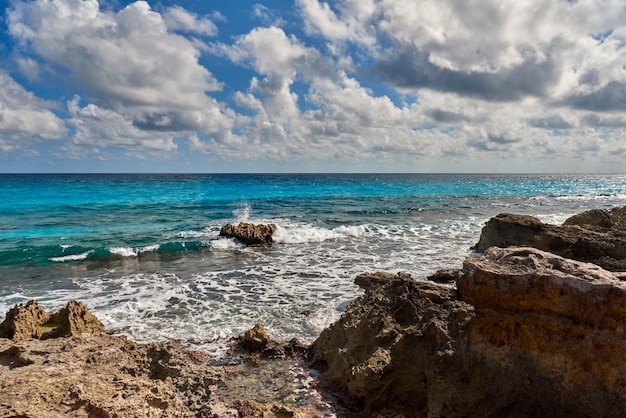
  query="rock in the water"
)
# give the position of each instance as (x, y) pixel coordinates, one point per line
(580, 238)
(250, 234)
(256, 341)
(256, 338)
(528, 333)
(32, 321)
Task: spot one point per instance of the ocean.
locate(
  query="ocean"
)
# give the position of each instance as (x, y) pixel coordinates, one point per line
(142, 251)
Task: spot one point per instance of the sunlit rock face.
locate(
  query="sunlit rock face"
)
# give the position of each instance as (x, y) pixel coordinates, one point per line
(525, 332)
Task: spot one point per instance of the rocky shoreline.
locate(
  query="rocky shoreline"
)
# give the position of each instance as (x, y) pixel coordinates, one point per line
(532, 327)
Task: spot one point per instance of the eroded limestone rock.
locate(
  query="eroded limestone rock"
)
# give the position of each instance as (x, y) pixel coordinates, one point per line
(32, 321)
(597, 237)
(528, 333)
(250, 234)
(106, 376)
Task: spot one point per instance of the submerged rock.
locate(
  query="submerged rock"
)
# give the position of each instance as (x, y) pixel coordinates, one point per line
(527, 333)
(250, 234)
(32, 321)
(596, 236)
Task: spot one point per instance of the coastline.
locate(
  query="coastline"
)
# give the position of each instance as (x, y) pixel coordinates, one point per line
(521, 325)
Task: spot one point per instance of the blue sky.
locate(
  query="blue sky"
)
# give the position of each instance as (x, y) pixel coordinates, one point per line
(313, 86)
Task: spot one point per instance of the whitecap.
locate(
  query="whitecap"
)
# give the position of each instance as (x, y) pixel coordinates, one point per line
(123, 251)
(72, 257)
(306, 233)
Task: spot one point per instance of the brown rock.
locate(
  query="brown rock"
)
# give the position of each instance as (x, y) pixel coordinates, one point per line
(389, 346)
(32, 321)
(256, 339)
(614, 218)
(73, 319)
(576, 239)
(531, 334)
(24, 322)
(105, 376)
(250, 234)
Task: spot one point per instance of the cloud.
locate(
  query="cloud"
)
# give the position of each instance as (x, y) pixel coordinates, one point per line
(611, 97)
(178, 19)
(95, 126)
(349, 23)
(24, 118)
(413, 69)
(128, 61)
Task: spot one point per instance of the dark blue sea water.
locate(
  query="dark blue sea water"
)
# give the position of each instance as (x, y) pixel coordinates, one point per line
(143, 252)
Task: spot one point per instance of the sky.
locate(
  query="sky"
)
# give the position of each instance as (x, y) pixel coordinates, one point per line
(313, 86)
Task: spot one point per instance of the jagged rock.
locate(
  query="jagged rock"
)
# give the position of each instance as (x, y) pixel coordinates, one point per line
(32, 321)
(73, 319)
(579, 238)
(383, 348)
(255, 341)
(250, 234)
(106, 376)
(614, 218)
(251, 409)
(528, 333)
(24, 321)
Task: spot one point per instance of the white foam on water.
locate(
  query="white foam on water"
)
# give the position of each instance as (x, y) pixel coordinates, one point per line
(242, 213)
(223, 243)
(149, 248)
(74, 257)
(124, 251)
(299, 234)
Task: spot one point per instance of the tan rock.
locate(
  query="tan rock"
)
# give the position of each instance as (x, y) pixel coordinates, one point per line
(32, 321)
(256, 338)
(105, 376)
(24, 321)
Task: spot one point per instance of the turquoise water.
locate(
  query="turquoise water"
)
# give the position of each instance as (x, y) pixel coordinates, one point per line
(143, 251)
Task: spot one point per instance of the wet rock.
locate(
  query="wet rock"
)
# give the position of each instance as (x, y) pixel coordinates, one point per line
(251, 409)
(597, 237)
(446, 276)
(256, 342)
(250, 234)
(256, 339)
(526, 333)
(32, 321)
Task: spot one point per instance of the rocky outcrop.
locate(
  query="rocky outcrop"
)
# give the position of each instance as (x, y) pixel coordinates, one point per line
(597, 236)
(105, 376)
(394, 347)
(32, 321)
(614, 218)
(250, 234)
(527, 333)
(256, 343)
